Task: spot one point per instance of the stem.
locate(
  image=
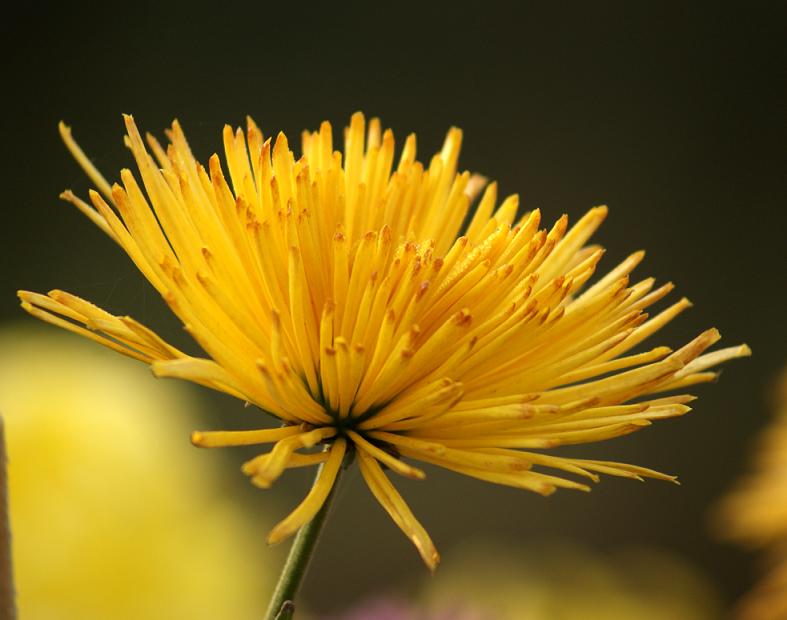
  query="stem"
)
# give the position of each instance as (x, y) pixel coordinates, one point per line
(7, 608)
(282, 606)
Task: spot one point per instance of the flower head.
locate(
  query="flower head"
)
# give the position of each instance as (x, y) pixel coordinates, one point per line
(333, 291)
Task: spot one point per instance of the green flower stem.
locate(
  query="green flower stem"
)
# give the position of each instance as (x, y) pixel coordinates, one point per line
(7, 608)
(282, 605)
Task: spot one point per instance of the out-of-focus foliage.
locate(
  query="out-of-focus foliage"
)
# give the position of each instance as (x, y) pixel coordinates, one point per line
(555, 582)
(755, 514)
(114, 514)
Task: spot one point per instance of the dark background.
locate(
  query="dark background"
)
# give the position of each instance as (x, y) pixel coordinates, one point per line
(671, 115)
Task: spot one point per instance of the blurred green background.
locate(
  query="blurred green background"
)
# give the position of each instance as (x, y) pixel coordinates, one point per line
(672, 115)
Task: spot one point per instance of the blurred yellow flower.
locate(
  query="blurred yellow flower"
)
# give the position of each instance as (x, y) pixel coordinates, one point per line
(332, 291)
(754, 513)
(551, 581)
(113, 515)
(566, 582)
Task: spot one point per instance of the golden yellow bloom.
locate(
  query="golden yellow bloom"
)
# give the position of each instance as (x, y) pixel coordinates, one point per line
(755, 514)
(332, 291)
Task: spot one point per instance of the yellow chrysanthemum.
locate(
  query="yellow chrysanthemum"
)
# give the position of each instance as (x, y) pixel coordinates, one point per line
(755, 514)
(333, 292)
